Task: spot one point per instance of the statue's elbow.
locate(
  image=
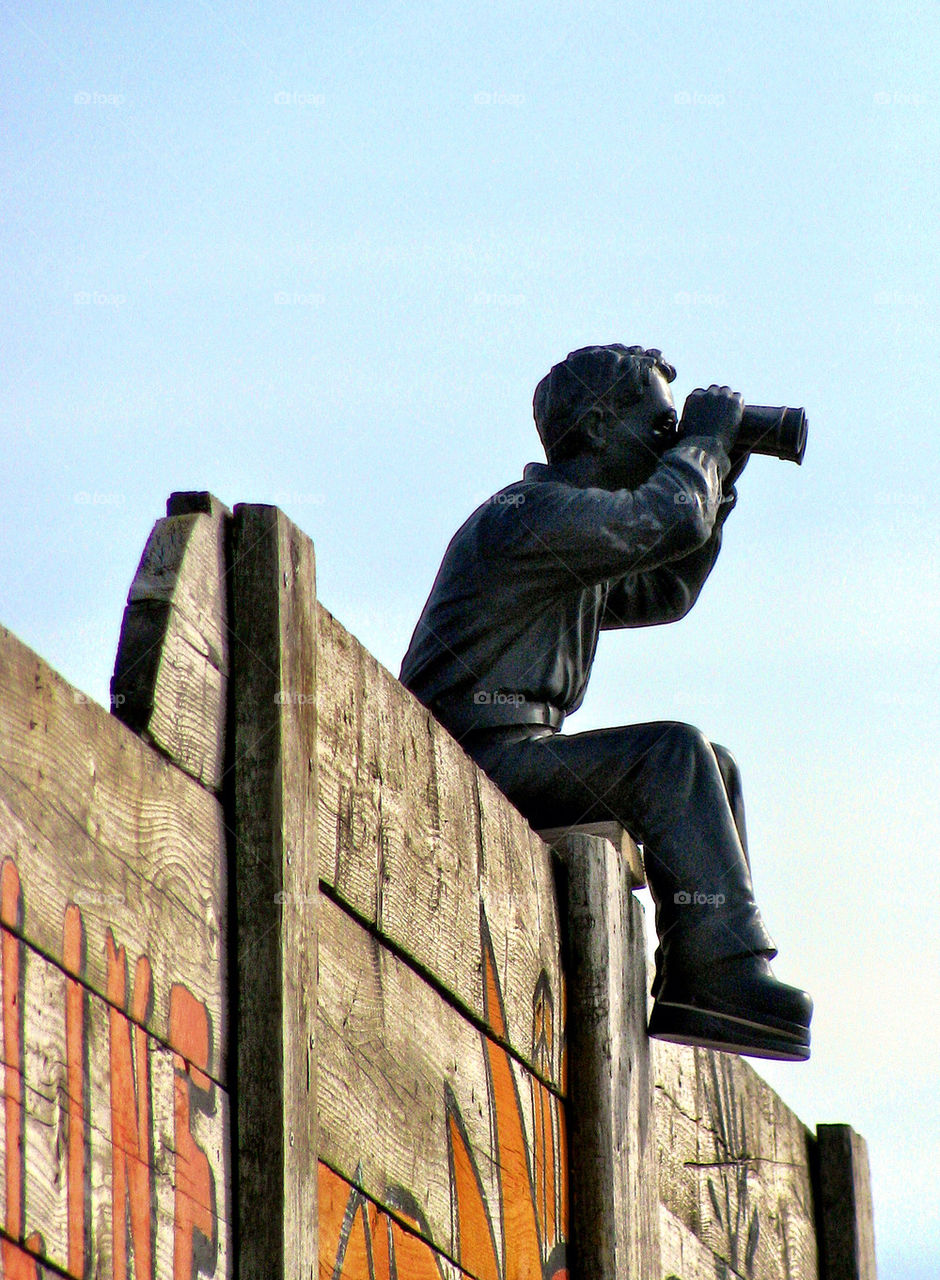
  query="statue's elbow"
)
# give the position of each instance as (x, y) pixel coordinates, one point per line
(683, 606)
(696, 527)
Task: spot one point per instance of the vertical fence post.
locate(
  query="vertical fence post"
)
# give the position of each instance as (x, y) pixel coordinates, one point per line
(274, 888)
(845, 1224)
(613, 1166)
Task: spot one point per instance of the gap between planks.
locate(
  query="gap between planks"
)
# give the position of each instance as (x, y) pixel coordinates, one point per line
(467, 1014)
(149, 1032)
(391, 1212)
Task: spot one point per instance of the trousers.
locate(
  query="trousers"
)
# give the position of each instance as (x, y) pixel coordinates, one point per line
(675, 792)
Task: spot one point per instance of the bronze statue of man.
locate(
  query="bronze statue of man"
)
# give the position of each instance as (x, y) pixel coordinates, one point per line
(620, 529)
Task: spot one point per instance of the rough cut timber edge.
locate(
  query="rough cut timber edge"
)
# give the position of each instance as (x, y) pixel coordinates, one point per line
(171, 668)
(275, 885)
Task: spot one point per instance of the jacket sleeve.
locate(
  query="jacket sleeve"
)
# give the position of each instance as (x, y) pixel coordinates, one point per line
(584, 536)
(667, 593)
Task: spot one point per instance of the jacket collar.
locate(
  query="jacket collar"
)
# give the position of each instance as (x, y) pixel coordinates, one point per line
(539, 472)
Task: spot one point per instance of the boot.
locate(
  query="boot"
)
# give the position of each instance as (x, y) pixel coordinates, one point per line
(735, 1005)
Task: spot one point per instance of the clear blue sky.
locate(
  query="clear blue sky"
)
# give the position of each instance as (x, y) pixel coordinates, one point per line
(304, 255)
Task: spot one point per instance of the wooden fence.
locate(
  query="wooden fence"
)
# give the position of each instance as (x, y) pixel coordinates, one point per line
(290, 990)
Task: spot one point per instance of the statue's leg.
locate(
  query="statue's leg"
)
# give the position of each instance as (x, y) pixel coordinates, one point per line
(664, 783)
(731, 777)
(670, 788)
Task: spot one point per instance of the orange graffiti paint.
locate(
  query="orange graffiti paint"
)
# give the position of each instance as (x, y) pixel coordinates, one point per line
(544, 1159)
(195, 1200)
(522, 1251)
(12, 1050)
(358, 1256)
(332, 1196)
(72, 957)
(21, 1264)
(413, 1258)
(380, 1234)
(476, 1248)
(358, 1241)
(131, 1174)
(17, 1263)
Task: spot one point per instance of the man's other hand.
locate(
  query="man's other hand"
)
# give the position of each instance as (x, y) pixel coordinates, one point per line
(715, 413)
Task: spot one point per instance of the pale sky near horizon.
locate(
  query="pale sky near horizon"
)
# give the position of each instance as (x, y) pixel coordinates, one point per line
(321, 258)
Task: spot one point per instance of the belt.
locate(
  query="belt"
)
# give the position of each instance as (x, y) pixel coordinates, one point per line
(493, 710)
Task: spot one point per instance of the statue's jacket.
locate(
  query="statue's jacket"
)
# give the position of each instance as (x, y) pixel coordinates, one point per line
(536, 572)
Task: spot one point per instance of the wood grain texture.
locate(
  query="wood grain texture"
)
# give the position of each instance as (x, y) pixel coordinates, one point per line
(845, 1217)
(413, 837)
(185, 1187)
(734, 1164)
(419, 1107)
(274, 647)
(614, 1180)
(95, 818)
(630, 857)
(684, 1257)
(171, 670)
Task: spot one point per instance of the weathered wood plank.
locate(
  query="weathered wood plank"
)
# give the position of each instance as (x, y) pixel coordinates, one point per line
(274, 645)
(630, 857)
(517, 890)
(360, 1241)
(682, 1254)
(614, 1177)
(95, 818)
(414, 838)
(419, 1108)
(171, 669)
(845, 1218)
(191, 502)
(734, 1163)
(148, 1127)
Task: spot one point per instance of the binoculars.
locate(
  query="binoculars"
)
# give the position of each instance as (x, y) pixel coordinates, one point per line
(776, 432)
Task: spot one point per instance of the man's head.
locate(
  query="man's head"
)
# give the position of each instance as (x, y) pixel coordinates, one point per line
(592, 389)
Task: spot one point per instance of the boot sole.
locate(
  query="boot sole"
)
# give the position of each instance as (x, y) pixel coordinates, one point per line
(683, 1024)
(736, 1012)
